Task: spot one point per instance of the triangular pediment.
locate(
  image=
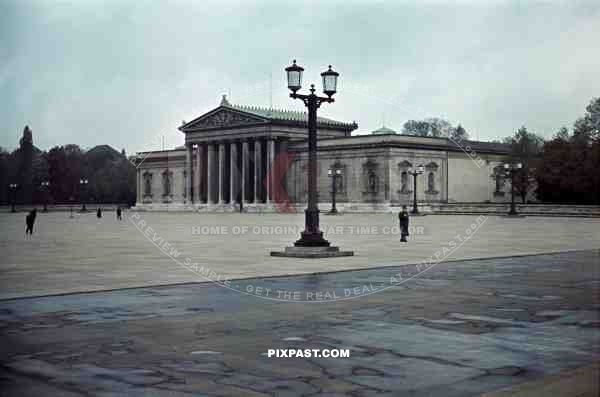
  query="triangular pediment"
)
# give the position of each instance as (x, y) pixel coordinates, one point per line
(223, 117)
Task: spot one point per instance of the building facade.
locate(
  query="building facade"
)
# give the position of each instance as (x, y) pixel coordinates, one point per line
(258, 157)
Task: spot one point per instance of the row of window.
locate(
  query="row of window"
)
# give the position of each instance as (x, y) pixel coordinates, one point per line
(167, 183)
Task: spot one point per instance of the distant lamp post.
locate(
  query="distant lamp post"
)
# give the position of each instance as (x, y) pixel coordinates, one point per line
(83, 183)
(311, 243)
(334, 174)
(13, 190)
(418, 171)
(45, 186)
(511, 170)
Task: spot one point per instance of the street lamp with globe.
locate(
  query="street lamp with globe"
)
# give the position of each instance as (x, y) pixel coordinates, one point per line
(311, 243)
(334, 174)
(45, 185)
(13, 189)
(511, 170)
(418, 171)
(83, 182)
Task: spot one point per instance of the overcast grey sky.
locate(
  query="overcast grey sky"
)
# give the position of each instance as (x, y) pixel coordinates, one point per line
(126, 72)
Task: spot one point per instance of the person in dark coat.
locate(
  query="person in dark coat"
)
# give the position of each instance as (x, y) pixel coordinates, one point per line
(119, 213)
(30, 221)
(99, 213)
(403, 218)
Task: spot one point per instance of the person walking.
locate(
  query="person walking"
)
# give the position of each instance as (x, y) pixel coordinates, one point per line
(30, 221)
(99, 213)
(403, 218)
(119, 213)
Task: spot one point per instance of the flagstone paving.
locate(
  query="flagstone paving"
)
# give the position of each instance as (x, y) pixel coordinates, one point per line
(462, 329)
(85, 253)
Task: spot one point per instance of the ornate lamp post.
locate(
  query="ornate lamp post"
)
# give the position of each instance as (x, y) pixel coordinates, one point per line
(311, 243)
(334, 175)
(511, 170)
(13, 190)
(45, 185)
(418, 171)
(83, 183)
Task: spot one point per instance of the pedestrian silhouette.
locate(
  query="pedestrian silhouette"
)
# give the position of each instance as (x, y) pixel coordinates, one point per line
(119, 213)
(99, 213)
(29, 221)
(403, 218)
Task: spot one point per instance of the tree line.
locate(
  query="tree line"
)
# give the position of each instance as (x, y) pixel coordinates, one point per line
(57, 176)
(562, 169)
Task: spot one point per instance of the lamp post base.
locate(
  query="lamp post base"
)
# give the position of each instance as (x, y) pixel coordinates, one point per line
(515, 215)
(311, 252)
(311, 239)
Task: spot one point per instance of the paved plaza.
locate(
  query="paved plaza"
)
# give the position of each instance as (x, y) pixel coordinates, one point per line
(85, 253)
(527, 325)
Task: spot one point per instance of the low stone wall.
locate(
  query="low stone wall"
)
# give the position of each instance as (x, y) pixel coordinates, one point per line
(62, 207)
(429, 209)
(524, 209)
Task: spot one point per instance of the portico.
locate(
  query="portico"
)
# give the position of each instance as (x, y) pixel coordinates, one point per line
(230, 149)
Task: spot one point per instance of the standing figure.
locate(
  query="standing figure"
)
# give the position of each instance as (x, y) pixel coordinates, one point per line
(119, 213)
(99, 213)
(403, 218)
(29, 221)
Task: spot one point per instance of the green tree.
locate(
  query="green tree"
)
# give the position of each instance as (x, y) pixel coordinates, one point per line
(24, 157)
(5, 175)
(526, 148)
(459, 133)
(413, 127)
(588, 126)
(432, 126)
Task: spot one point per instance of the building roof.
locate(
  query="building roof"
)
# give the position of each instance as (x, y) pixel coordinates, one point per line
(383, 131)
(289, 115)
(263, 115)
(407, 141)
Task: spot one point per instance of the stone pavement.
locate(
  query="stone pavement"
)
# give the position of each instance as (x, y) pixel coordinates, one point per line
(462, 329)
(580, 382)
(85, 254)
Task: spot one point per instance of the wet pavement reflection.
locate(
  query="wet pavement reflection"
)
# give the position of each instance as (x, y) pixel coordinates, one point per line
(461, 328)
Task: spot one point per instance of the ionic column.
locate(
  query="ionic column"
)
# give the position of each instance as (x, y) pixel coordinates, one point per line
(233, 172)
(221, 172)
(245, 170)
(283, 147)
(210, 172)
(257, 171)
(270, 169)
(197, 176)
(137, 185)
(202, 171)
(189, 168)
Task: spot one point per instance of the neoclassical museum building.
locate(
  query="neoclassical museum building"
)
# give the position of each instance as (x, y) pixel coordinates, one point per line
(230, 150)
